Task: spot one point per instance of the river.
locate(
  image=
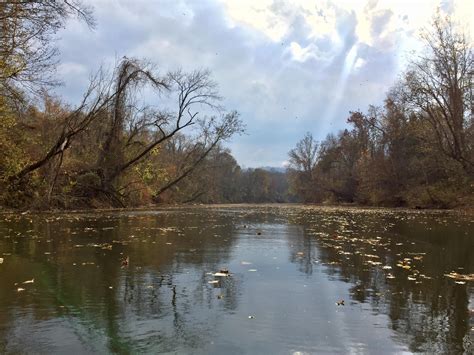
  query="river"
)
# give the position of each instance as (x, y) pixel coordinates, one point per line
(290, 280)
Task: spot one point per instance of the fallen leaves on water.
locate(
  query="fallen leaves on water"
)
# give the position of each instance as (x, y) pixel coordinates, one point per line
(125, 261)
(221, 274)
(460, 277)
(374, 263)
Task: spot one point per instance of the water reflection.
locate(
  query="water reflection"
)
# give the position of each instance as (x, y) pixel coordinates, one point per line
(396, 262)
(388, 266)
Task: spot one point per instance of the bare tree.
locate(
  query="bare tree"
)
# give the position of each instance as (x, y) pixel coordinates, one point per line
(27, 54)
(94, 101)
(134, 128)
(438, 86)
(213, 132)
(302, 161)
(303, 157)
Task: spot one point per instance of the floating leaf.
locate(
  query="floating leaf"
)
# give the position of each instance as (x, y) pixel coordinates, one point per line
(462, 277)
(221, 274)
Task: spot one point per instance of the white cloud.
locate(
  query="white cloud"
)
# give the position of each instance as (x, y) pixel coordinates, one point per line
(359, 63)
(286, 66)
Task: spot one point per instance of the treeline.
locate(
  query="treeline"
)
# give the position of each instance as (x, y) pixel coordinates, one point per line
(221, 180)
(416, 150)
(114, 148)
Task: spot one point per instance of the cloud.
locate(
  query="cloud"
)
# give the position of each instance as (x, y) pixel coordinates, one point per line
(287, 66)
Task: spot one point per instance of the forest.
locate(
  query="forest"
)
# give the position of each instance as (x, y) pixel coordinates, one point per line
(141, 136)
(416, 150)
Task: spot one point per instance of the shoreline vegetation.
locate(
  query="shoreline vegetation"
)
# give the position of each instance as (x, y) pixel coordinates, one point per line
(113, 150)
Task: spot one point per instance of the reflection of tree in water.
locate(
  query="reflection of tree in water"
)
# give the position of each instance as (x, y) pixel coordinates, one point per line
(303, 252)
(429, 313)
(161, 300)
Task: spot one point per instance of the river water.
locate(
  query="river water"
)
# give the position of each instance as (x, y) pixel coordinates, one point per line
(65, 286)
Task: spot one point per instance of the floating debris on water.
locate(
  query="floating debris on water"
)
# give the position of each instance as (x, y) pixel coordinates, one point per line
(126, 261)
(462, 277)
(221, 274)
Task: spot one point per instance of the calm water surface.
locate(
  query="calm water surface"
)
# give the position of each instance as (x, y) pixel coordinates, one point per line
(289, 267)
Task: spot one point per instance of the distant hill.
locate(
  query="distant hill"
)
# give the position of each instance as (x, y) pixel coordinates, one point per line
(274, 169)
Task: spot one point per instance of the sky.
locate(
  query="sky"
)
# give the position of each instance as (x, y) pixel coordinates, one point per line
(288, 67)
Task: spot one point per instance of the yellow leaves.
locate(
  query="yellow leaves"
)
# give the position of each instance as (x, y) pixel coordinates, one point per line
(155, 151)
(460, 277)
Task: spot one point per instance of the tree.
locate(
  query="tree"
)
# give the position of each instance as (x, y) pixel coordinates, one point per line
(438, 86)
(302, 161)
(136, 129)
(27, 53)
(303, 157)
